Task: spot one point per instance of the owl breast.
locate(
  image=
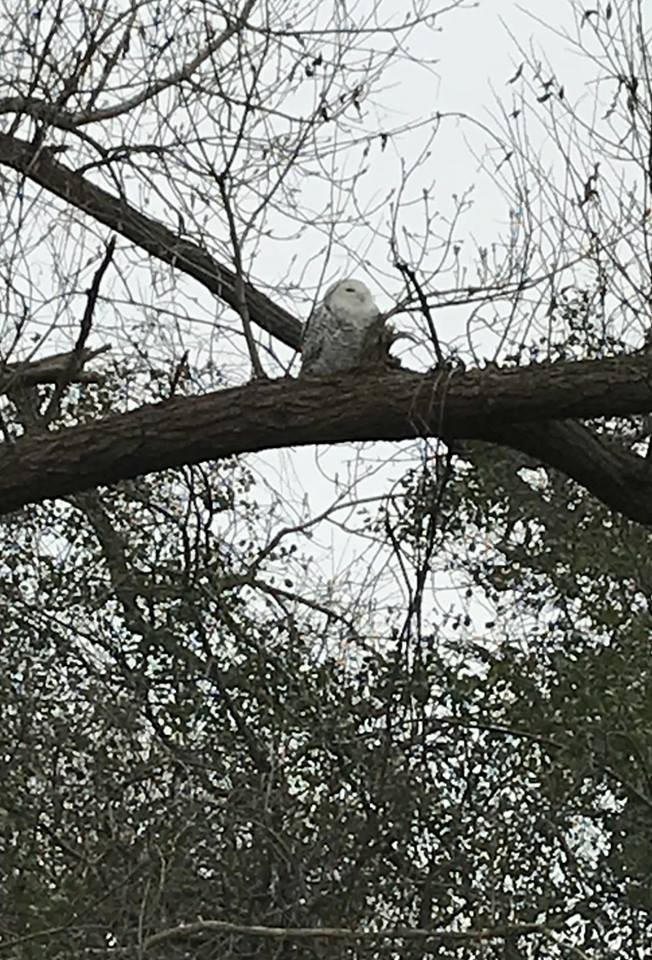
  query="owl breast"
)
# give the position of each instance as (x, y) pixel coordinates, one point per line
(344, 333)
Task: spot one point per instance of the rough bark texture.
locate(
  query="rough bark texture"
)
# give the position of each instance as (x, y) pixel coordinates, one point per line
(511, 407)
(528, 409)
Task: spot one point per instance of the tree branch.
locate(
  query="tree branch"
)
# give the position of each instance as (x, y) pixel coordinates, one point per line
(511, 407)
(39, 165)
(56, 116)
(506, 931)
(50, 369)
(53, 408)
(240, 282)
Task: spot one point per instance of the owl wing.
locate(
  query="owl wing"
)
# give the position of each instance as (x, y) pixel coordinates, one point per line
(314, 336)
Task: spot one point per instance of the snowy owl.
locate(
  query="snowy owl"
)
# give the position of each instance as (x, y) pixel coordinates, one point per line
(344, 332)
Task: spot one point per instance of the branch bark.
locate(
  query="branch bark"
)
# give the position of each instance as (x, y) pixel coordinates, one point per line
(511, 407)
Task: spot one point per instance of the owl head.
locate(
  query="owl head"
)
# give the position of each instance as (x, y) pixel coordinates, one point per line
(351, 295)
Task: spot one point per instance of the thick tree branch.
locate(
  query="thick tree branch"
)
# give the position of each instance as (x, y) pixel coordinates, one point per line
(510, 407)
(39, 165)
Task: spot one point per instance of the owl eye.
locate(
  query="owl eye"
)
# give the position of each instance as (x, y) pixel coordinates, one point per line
(349, 290)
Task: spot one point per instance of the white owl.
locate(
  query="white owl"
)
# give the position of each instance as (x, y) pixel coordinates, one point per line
(344, 332)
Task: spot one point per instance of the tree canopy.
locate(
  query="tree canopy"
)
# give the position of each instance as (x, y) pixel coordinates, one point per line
(353, 666)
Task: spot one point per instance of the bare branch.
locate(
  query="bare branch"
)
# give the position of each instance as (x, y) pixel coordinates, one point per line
(39, 165)
(240, 284)
(341, 933)
(411, 278)
(49, 369)
(52, 409)
(65, 120)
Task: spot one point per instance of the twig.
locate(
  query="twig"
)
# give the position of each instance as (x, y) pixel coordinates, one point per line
(240, 290)
(411, 278)
(75, 358)
(179, 370)
(56, 116)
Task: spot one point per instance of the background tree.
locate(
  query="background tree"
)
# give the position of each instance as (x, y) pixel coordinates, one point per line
(224, 733)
